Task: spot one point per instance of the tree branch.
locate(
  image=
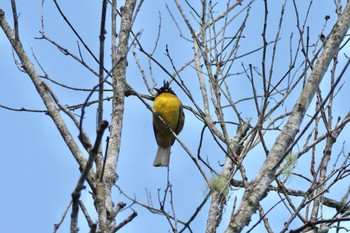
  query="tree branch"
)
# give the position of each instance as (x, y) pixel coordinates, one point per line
(258, 189)
(84, 174)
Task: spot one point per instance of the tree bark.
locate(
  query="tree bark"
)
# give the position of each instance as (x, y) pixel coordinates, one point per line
(50, 105)
(119, 65)
(259, 187)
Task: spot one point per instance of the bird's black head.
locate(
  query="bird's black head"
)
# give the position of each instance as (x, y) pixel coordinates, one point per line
(165, 88)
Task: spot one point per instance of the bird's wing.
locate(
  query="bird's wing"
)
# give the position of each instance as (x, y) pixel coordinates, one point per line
(155, 129)
(180, 123)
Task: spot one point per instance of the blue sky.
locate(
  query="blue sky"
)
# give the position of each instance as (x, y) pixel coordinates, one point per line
(37, 171)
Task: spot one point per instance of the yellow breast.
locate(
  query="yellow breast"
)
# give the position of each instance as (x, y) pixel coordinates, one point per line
(168, 107)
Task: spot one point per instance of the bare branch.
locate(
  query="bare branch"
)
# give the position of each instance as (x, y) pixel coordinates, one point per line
(84, 174)
(266, 175)
(125, 221)
(57, 225)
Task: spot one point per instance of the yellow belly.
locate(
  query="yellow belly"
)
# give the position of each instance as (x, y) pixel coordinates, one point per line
(168, 107)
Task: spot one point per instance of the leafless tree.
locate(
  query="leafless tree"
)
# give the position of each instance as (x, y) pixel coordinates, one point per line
(256, 90)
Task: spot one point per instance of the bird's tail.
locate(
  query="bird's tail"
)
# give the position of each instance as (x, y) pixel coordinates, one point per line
(162, 157)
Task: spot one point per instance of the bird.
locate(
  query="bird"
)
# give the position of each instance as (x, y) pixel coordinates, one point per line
(169, 107)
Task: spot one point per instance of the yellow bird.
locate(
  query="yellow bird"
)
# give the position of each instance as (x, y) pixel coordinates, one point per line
(169, 108)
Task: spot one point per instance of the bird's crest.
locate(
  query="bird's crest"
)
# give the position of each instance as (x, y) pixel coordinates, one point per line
(165, 88)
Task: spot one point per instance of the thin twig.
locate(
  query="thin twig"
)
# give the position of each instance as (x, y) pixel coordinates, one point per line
(80, 185)
(15, 19)
(57, 225)
(91, 224)
(125, 221)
